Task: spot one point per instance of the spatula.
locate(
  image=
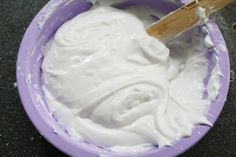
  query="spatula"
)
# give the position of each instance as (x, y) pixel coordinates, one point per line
(184, 18)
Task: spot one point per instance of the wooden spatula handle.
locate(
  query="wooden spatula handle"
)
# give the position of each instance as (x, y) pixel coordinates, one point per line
(213, 5)
(184, 18)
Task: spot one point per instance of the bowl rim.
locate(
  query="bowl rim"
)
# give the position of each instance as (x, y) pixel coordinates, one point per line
(62, 144)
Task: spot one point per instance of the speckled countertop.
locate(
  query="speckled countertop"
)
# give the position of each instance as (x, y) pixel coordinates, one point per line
(18, 138)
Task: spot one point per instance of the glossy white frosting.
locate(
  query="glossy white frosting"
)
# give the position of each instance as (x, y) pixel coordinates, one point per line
(109, 83)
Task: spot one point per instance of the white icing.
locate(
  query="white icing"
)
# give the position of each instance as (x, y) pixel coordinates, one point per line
(15, 85)
(29, 79)
(48, 11)
(214, 81)
(214, 84)
(202, 15)
(208, 41)
(112, 85)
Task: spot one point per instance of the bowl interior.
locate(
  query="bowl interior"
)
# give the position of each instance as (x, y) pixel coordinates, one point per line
(42, 28)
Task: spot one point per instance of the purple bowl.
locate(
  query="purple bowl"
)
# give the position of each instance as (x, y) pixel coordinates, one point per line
(43, 26)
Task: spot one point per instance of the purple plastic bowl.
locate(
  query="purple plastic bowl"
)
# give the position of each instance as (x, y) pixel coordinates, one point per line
(44, 25)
